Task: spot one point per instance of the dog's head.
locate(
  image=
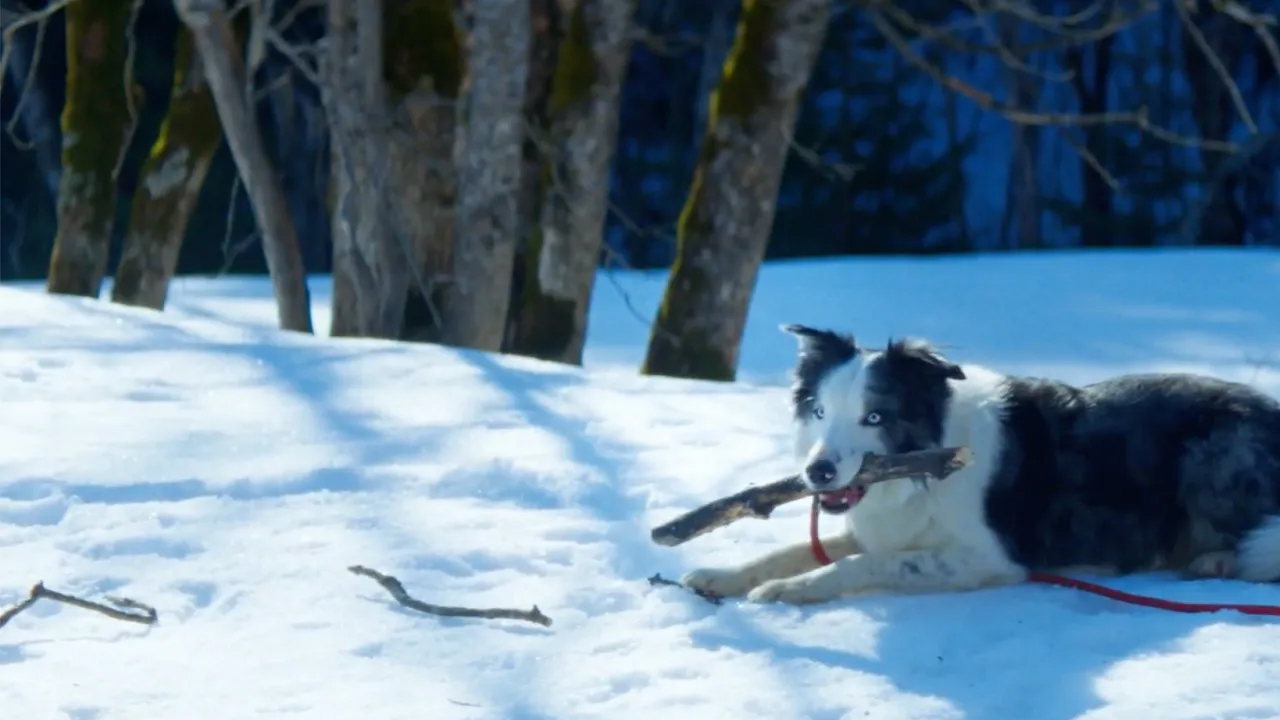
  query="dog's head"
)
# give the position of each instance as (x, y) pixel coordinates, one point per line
(847, 401)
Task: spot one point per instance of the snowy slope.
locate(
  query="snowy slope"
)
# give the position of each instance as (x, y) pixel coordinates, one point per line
(199, 461)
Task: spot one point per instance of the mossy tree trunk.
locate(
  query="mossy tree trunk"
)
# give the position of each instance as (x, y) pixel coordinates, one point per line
(217, 48)
(169, 184)
(591, 65)
(725, 226)
(421, 67)
(96, 125)
(487, 158)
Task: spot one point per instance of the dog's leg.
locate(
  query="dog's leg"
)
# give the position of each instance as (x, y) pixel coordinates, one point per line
(787, 562)
(906, 571)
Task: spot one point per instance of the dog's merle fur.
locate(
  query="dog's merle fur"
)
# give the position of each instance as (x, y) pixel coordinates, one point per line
(1137, 472)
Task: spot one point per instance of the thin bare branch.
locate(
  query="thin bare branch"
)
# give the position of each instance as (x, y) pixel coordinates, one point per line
(141, 613)
(28, 83)
(1137, 118)
(130, 102)
(1092, 161)
(397, 591)
(1215, 62)
(712, 598)
(1060, 36)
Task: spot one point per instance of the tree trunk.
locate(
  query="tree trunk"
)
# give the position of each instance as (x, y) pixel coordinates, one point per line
(413, 133)
(487, 157)
(724, 228)
(96, 125)
(169, 184)
(564, 255)
(548, 33)
(372, 257)
(216, 46)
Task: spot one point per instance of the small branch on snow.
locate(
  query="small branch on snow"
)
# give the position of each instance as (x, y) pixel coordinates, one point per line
(146, 614)
(712, 598)
(393, 586)
(761, 501)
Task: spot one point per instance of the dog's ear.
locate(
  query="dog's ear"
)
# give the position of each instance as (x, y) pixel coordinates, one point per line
(921, 353)
(826, 342)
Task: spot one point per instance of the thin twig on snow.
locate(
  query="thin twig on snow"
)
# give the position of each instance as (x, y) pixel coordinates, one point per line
(397, 591)
(710, 597)
(145, 615)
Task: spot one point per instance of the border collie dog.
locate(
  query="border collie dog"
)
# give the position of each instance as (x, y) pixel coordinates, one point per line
(1137, 473)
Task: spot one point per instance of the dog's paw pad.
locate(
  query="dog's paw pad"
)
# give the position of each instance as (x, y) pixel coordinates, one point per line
(721, 583)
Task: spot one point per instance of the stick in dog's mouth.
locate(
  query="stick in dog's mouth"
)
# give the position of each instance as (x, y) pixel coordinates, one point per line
(760, 501)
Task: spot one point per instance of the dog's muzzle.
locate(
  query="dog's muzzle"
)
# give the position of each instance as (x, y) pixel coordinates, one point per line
(820, 474)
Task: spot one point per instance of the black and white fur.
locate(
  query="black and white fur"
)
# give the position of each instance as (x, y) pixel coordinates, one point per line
(1139, 472)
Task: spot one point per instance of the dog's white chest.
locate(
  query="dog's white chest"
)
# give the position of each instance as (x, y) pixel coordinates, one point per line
(891, 517)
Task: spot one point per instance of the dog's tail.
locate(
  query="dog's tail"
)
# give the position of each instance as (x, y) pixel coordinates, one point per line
(1258, 555)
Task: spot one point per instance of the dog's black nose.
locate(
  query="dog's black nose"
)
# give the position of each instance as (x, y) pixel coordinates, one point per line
(820, 472)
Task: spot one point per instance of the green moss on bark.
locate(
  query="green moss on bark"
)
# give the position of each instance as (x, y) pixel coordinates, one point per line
(421, 40)
(169, 183)
(745, 75)
(545, 326)
(95, 128)
(680, 344)
(575, 65)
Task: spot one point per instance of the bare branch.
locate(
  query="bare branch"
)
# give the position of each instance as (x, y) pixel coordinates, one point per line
(1215, 62)
(143, 614)
(712, 598)
(397, 591)
(1061, 35)
(130, 102)
(1092, 161)
(1137, 118)
(28, 82)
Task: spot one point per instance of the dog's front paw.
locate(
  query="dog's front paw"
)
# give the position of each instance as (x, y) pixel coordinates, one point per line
(790, 591)
(719, 582)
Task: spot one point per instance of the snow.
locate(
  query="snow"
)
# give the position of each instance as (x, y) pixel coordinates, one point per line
(226, 473)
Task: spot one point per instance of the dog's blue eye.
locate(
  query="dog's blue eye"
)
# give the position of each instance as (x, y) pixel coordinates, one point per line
(818, 412)
(871, 418)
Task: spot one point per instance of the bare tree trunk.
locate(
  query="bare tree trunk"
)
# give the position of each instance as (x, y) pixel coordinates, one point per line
(215, 44)
(375, 266)
(96, 124)
(584, 113)
(169, 184)
(487, 157)
(405, 148)
(725, 226)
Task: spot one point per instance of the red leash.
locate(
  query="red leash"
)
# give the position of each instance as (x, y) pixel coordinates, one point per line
(820, 554)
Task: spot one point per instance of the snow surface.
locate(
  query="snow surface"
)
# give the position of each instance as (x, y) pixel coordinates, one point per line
(226, 473)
